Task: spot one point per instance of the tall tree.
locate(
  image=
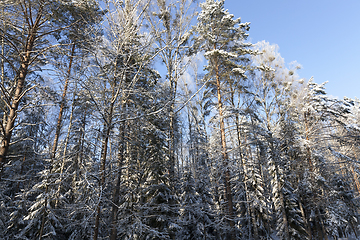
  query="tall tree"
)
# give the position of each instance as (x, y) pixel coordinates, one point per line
(222, 38)
(30, 31)
(123, 84)
(170, 23)
(273, 83)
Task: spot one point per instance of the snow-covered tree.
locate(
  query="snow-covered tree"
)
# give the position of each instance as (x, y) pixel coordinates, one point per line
(222, 40)
(170, 23)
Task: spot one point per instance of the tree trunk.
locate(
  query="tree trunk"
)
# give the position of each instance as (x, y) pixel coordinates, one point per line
(107, 129)
(355, 177)
(307, 226)
(9, 127)
(284, 217)
(321, 222)
(79, 155)
(3, 51)
(279, 187)
(3, 122)
(307, 129)
(65, 147)
(23, 71)
(62, 105)
(116, 192)
(244, 172)
(172, 146)
(173, 86)
(228, 192)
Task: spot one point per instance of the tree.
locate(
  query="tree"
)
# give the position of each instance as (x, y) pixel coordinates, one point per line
(120, 88)
(87, 16)
(222, 39)
(196, 213)
(30, 31)
(319, 115)
(170, 23)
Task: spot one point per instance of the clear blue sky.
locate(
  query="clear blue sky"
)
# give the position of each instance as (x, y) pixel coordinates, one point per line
(322, 35)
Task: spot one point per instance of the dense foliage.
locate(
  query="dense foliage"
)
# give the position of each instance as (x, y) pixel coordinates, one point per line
(143, 119)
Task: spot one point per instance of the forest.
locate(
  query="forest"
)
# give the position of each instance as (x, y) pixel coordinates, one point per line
(159, 119)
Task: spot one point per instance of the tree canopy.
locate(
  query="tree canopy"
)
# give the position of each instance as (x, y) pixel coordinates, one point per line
(143, 119)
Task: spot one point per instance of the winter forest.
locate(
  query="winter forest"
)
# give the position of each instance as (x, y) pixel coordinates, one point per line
(158, 119)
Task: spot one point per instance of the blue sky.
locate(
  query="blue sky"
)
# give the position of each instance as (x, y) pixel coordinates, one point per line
(323, 36)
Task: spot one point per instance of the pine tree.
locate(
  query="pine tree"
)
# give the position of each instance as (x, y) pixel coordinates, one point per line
(222, 38)
(28, 39)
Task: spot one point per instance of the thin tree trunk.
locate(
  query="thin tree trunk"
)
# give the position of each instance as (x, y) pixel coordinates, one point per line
(323, 230)
(356, 180)
(354, 229)
(54, 149)
(306, 114)
(43, 219)
(3, 51)
(172, 74)
(116, 192)
(171, 143)
(80, 152)
(307, 226)
(102, 181)
(244, 172)
(62, 105)
(228, 193)
(23, 71)
(281, 195)
(284, 217)
(107, 129)
(65, 147)
(3, 122)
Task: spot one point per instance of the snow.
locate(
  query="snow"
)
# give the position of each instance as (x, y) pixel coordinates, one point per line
(238, 70)
(222, 53)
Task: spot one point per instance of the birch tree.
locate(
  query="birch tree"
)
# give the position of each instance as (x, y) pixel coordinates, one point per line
(170, 23)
